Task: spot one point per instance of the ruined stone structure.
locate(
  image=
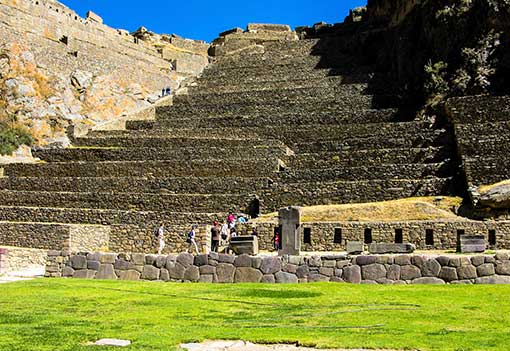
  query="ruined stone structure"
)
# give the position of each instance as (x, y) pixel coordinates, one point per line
(279, 118)
(58, 69)
(221, 268)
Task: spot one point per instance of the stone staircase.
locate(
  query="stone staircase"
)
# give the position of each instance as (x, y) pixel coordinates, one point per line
(300, 124)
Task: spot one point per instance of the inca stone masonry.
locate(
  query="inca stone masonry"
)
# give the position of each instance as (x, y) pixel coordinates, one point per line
(278, 118)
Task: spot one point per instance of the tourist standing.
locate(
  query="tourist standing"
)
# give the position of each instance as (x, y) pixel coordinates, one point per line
(231, 220)
(277, 240)
(215, 237)
(161, 238)
(191, 240)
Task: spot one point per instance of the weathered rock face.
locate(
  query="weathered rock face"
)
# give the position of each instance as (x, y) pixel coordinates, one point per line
(72, 71)
(497, 197)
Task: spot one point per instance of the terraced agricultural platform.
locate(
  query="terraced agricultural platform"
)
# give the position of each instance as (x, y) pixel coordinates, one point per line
(300, 124)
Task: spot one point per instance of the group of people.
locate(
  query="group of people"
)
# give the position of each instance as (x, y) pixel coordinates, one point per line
(220, 235)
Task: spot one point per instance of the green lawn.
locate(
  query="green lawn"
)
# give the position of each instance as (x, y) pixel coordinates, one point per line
(58, 314)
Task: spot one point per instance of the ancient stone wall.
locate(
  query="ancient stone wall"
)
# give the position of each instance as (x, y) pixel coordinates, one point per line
(46, 236)
(443, 233)
(16, 259)
(61, 69)
(221, 268)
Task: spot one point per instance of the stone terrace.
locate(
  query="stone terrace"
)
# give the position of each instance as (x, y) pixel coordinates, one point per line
(299, 124)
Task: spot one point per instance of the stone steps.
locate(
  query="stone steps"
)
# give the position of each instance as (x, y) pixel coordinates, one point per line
(333, 106)
(173, 120)
(182, 185)
(422, 140)
(358, 191)
(286, 134)
(127, 201)
(269, 84)
(157, 169)
(152, 154)
(367, 172)
(276, 96)
(169, 142)
(486, 170)
(104, 216)
(369, 156)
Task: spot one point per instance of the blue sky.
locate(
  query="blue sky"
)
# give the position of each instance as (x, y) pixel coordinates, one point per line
(205, 19)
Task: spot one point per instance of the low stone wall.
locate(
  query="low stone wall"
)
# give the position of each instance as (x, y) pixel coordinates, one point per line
(443, 234)
(17, 259)
(222, 268)
(45, 236)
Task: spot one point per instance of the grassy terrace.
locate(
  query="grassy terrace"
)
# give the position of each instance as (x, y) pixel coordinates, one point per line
(62, 315)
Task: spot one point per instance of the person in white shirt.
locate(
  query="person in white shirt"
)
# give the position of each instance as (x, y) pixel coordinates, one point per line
(191, 240)
(161, 238)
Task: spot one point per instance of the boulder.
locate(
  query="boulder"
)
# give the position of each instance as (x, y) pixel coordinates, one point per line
(317, 278)
(129, 275)
(466, 272)
(150, 273)
(485, 269)
(243, 260)
(402, 260)
(164, 275)
(355, 247)
(352, 274)
(201, 260)
(268, 278)
(495, 279)
(225, 272)
(302, 271)
(94, 265)
(78, 262)
(284, 277)
(207, 269)
(176, 271)
(106, 271)
(430, 268)
(365, 260)
(409, 272)
(393, 272)
(498, 197)
(185, 259)
(448, 274)
(503, 267)
(386, 248)
(247, 275)
(67, 272)
(85, 274)
(271, 265)
(192, 274)
(373, 271)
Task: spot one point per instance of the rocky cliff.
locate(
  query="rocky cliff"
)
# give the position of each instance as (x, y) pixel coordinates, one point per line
(58, 69)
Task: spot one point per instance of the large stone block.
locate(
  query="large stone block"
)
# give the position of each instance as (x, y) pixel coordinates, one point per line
(67, 272)
(352, 274)
(485, 269)
(247, 275)
(176, 270)
(495, 279)
(242, 261)
(129, 275)
(192, 274)
(224, 258)
(365, 260)
(302, 271)
(225, 272)
(78, 262)
(402, 260)
(448, 274)
(185, 259)
(503, 267)
(138, 259)
(84, 274)
(207, 270)
(106, 271)
(94, 265)
(386, 248)
(373, 271)
(271, 265)
(393, 272)
(201, 260)
(121, 264)
(268, 278)
(317, 278)
(150, 272)
(466, 272)
(283, 277)
(164, 275)
(160, 261)
(355, 247)
(430, 268)
(108, 258)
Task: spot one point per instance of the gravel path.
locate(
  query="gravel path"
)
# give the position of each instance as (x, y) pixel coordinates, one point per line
(247, 346)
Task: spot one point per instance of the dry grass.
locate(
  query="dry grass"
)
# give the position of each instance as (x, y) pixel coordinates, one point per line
(482, 189)
(410, 209)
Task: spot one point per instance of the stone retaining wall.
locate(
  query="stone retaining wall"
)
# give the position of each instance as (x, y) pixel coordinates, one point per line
(221, 268)
(444, 233)
(19, 259)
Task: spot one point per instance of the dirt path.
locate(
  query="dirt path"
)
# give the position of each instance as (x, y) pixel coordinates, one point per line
(247, 346)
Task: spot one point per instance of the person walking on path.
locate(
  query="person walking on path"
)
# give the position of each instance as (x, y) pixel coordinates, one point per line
(215, 237)
(161, 238)
(191, 240)
(231, 220)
